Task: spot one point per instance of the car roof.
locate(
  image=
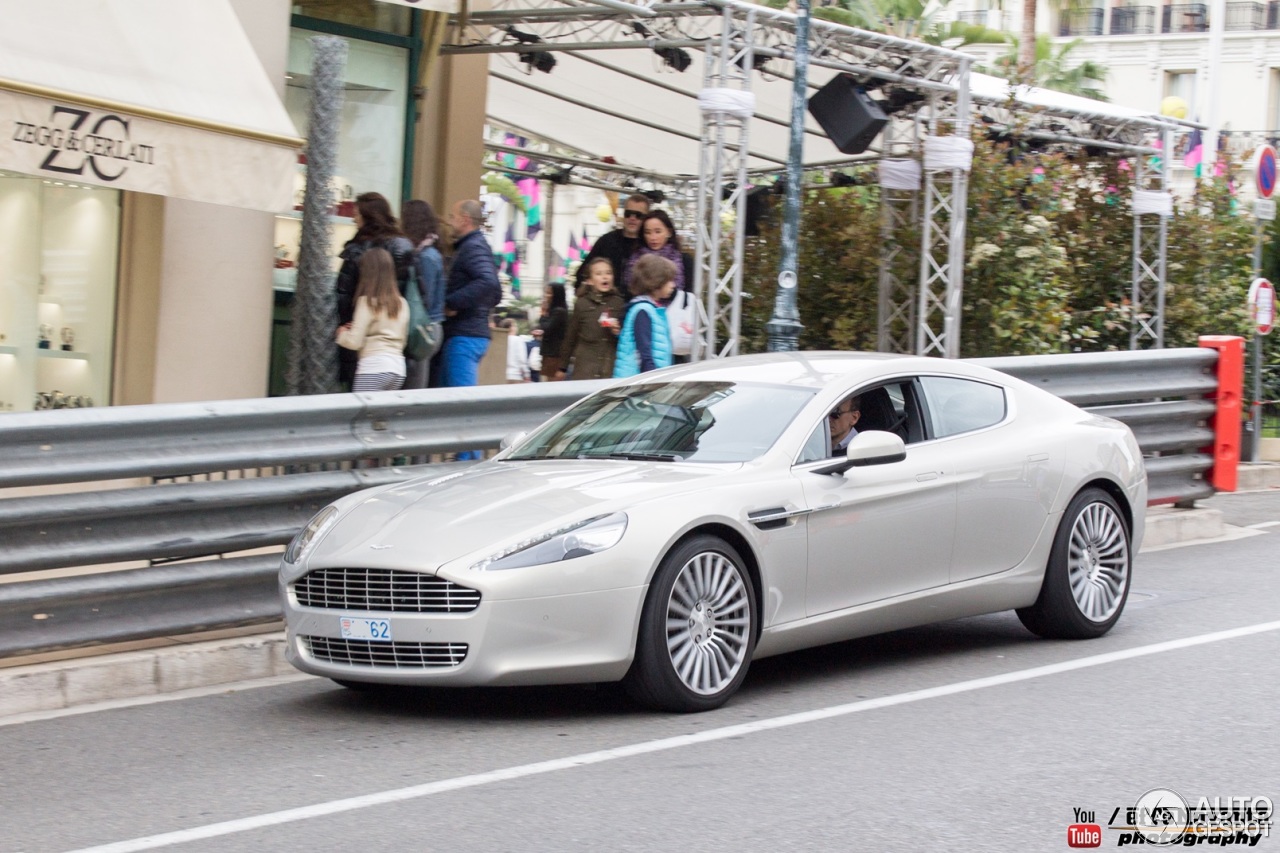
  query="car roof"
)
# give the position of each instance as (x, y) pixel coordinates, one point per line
(813, 369)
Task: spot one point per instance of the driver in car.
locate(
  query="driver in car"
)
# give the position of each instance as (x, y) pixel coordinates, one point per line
(841, 420)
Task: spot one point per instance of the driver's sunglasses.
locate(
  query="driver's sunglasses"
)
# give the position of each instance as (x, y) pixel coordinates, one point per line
(633, 214)
(838, 414)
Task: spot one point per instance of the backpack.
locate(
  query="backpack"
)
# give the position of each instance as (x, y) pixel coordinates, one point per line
(424, 336)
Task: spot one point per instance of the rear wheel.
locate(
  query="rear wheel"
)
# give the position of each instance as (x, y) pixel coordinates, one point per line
(1087, 580)
(697, 631)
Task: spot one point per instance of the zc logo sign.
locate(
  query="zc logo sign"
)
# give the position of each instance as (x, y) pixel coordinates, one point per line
(76, 139)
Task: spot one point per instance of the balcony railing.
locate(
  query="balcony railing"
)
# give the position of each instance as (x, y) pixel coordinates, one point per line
(1185, 18)
(1246, 16)
(990, 18)
(1133, 20)
(1081, 22)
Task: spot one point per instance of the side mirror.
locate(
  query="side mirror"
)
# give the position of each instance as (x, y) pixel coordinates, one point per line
(511, 439)
(876, 447)
(873, 447)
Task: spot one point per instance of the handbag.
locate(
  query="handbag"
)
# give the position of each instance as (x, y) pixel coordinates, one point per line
(681, 317)
(424, 335)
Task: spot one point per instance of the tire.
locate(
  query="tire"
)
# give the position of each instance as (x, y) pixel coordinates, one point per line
(1086, 582)
(697, 630)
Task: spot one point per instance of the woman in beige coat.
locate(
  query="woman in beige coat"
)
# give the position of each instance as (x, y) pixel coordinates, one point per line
(380, 326)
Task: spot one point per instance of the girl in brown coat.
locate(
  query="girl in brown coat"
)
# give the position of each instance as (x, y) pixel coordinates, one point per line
(591, 339)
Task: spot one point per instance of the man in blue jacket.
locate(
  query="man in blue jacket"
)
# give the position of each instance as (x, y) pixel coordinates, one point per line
(471, 294)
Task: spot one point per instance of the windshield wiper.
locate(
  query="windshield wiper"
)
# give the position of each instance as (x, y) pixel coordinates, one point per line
(643, 457)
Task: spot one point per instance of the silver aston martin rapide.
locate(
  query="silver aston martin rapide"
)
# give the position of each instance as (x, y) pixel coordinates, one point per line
(669, 529)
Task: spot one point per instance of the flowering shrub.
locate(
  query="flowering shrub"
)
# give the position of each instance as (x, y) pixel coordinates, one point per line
(1048, 260)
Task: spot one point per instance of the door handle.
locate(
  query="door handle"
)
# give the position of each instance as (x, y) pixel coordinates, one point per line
(924, 478)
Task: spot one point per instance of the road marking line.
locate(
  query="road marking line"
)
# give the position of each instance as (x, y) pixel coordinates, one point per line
(1262, 524)
(215, 830)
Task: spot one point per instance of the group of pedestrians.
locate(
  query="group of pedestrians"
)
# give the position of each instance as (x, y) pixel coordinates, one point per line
(624, 320)
(379, 265)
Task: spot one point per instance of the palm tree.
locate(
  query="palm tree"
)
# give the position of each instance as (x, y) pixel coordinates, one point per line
(1026, 59)
(1053, 69)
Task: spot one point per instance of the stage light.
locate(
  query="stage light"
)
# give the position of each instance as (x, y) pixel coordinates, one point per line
(538, 59)
(674, 57)
(654, 196)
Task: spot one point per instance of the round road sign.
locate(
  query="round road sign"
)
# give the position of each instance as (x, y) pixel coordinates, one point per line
(1262, 305)
(1264, 172)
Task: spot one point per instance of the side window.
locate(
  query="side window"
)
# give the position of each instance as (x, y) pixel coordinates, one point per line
(816, 447)
(961, 405)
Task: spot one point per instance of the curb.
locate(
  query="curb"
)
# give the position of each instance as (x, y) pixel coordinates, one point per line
(129, 675)
(56, 686)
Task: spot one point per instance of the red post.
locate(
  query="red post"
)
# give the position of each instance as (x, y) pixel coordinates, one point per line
(1226, 420)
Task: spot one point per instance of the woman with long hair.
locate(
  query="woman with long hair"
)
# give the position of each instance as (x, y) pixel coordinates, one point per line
(422, 228)
(658, 237)
(379, 325)
(551, 329)
(376, 226)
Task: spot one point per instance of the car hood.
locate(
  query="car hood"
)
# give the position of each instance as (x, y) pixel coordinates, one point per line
(436, 520)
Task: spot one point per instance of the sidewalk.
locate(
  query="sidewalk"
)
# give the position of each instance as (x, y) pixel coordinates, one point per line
(158, 667)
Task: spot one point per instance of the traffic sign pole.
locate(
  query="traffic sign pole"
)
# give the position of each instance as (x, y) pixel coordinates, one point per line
(1264, 176)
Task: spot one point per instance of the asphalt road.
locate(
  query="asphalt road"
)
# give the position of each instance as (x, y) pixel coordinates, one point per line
(970, 735)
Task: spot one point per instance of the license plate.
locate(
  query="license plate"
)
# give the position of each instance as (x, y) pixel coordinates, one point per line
(375, 630)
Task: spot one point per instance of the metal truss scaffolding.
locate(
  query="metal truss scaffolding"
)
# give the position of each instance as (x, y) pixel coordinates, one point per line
(1150, 245)
(946, 192)
(722, 195)
(926, 89)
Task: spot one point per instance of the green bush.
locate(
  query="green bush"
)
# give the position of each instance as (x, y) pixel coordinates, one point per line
(1048, 249)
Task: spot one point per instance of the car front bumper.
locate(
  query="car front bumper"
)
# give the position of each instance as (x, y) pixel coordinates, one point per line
(578, 638)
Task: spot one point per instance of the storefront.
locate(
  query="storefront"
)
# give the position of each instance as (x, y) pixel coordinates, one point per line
(104, 116)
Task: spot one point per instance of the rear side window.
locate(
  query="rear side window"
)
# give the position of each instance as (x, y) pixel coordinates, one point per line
(962, 405)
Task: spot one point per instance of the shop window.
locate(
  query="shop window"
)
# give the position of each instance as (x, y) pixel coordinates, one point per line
(58, 253)
(370, 140)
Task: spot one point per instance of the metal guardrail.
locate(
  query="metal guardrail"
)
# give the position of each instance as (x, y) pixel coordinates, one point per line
(256, 470)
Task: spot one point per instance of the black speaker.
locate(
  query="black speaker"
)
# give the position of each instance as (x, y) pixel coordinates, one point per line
(847, 114)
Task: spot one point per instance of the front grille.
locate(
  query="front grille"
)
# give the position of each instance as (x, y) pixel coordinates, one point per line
(391, 655)
(384, 590)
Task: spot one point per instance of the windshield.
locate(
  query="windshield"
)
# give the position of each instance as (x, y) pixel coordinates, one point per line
(670, 422)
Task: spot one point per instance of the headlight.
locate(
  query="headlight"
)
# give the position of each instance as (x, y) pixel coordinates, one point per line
(564, 543)
(318, 524)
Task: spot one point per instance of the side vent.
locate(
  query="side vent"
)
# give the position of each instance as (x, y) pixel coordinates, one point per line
(771, 518)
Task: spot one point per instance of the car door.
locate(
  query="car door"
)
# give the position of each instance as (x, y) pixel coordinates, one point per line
(1003, 487)
(879, 531)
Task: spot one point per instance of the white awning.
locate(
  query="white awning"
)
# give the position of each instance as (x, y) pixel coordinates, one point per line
(154, 96)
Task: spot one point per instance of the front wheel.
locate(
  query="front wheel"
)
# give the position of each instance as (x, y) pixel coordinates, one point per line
(1087, 580)
(697, 630)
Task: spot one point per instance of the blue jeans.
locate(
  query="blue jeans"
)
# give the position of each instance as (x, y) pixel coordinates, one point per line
(462, 369)
(462, 361)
